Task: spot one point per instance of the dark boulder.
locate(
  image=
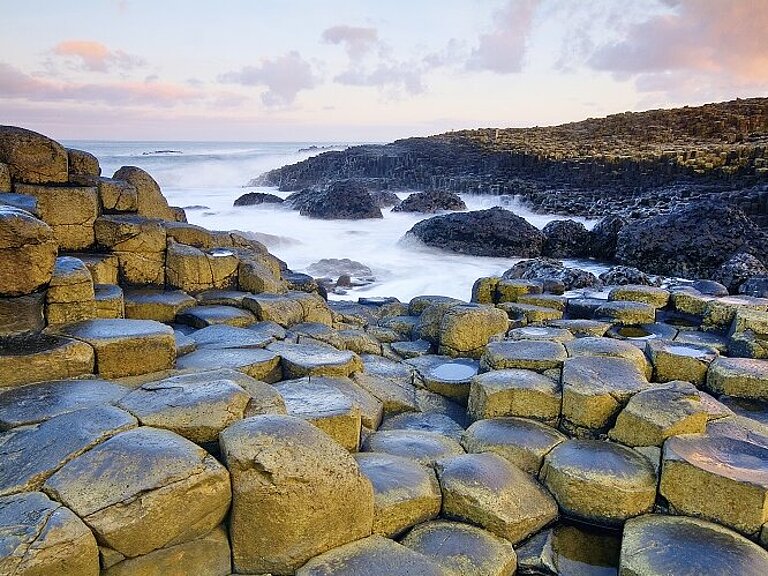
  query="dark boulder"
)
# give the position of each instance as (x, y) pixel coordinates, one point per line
(385, 198)
(492, 232)
(431, 201)
(548, 270)
(566, 239)
(256, 198)
(737, 270)
(603, 237)
(345, 200)
(623, 275)
(692, 242)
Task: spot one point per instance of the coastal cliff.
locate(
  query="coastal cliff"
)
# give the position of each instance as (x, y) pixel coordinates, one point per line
(648, 162)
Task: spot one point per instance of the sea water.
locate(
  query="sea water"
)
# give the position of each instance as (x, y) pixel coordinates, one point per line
(207, 177)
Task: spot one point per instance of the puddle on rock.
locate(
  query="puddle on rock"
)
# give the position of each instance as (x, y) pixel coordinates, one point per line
(571, 550)
(453, 372)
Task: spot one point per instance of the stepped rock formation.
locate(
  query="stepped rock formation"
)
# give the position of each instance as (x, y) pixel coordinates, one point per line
(168, 405)
(646, 162)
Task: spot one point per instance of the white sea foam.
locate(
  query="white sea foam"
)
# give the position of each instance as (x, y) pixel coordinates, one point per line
(212, 175)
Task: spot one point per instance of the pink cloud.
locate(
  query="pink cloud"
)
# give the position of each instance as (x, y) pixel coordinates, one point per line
(284, 77)
(503, 49)
(16, 84)
(721, 41)
(357, 41)
(95, 56)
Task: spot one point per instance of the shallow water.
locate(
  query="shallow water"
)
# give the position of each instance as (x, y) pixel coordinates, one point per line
(212, 175)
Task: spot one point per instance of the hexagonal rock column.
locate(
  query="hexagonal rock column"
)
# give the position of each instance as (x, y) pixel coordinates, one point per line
(209, 555)
(468, 550)
(144, 489)
(523, 354)
(39, 536)
(656, 545)
(127, 347)
(609, 348)
(418, 445)
(718, 478)
(296, 494)
(653, 415)
(740, 377)
(522, 442)
(40, 357)
(203, 316)
(255, 362)
(70, 296)
(299, 360)
(31, 157)
(599, 482)
(595, 390)
(626, 313)
(514, 392)
(138, 243)
(109, 301)
(677, 361)
(651, 295)
(31, 454)
(195, 406)
(330, 410)
(22, 315)
(154, 304)
(466, 329)
(445, 376)
(150, 201)
(70, 211)
(405, 492)
(117, 195)
(192, 270)
(373, 555)
(485, 489)
(27, 252)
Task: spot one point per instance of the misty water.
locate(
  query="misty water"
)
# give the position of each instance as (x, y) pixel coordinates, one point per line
(206, 178)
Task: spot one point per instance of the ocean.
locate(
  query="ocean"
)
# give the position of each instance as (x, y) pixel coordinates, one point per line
(207, 177)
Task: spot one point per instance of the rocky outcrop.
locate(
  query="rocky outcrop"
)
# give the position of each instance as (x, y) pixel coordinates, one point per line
(566, 239)
(430, 202)
(631, 163)
(492, 232)
(256, 198)
(552, 271)
(31, 157)
(692, 242)
(346, 200)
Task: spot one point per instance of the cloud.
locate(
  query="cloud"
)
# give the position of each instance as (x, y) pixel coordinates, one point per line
(14, 83)
(370, 61)
(96, 57)
(357, 41)
(284, 77)
(503, 49)
(717, 42)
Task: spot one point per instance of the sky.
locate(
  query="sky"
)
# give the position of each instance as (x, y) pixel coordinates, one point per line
(364, 70)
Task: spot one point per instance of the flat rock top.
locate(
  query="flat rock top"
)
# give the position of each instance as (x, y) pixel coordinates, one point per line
(308, 398)
(605, 462)
(225, 336)
(38, 402)
(394, 474)
(528, 349)
(127, 464)
(116, 329)
(425, 447)
(379, 366)
(373, 555)
(444, 369)
(721, 455)
(516, 378)
(515, 432)
(211, 358)
(425, 421)
(311, 354)
(749, 367)
(683, 350)
(656, 545)
(602, 375)
(151, 296)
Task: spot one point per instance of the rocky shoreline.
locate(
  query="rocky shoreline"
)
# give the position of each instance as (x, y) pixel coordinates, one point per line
(632, 164)
(175, 400)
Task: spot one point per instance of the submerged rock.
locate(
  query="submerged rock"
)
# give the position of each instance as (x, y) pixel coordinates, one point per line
(692, 242)
(256, 198)
(492, 232)
(431, 201)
